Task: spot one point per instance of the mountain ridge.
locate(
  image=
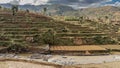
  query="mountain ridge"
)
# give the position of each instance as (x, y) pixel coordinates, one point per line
(53, 9)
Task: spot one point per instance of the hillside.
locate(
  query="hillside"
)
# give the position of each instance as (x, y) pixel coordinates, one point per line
(105, 19)
(32, 29)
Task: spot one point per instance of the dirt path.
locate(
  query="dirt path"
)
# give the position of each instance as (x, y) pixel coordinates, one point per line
(76, 60)
(103, 65)
(13, 64)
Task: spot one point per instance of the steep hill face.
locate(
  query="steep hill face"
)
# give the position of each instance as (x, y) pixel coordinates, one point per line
(100, 11)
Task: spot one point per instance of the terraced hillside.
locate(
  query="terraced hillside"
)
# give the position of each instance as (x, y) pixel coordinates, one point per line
(24, 26)
(17, 27)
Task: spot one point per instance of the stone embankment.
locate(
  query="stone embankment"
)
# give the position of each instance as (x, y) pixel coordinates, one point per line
(36, 60)
(78, 60)
(62, 60)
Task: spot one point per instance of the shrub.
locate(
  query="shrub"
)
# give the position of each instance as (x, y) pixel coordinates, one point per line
(98, 40)
(48, 37)
(72, 19)
(19, 48)
(2, 19)
(103, 40)
(0, 7)
(38, 39)
(14, 9)
(5, 44)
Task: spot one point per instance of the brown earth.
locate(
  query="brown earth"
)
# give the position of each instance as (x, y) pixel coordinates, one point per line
(13, 64)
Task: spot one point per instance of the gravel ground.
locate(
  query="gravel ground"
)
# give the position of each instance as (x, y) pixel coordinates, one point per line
(76, 60)
(108, 61)
(103, 65)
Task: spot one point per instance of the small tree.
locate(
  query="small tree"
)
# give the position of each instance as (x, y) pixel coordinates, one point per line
(14, 9)
(48, 37)
(104, 40)
(98, 40)
(27, 10)
(17, 48)
(0, 7)
(37, 39)
(44, 10)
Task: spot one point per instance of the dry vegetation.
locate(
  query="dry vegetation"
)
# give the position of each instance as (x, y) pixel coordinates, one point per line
(76, 48)
(111, 47)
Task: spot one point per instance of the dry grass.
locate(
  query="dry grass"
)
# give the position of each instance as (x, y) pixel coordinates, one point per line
(112, 47)
(76, 48)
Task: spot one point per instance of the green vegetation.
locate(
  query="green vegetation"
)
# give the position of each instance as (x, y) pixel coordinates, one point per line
(49, 37)
(44, 10)
(14, 9)
(17, 48)
(0, 7)
(27, 10)
(4, 44)
(72, 19)
(103, 40)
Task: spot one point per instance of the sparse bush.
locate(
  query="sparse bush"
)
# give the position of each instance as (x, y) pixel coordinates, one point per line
(72, 19)
(19, 48)
(27, 10)
(14, 9)
(36, 39)
(2, 19)
(48, 37)
(103, 40)
(64, 30)
(51, 39)
(5, 44)
(0, 7)
(64, 42)
(44, 10)
(98, 40)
